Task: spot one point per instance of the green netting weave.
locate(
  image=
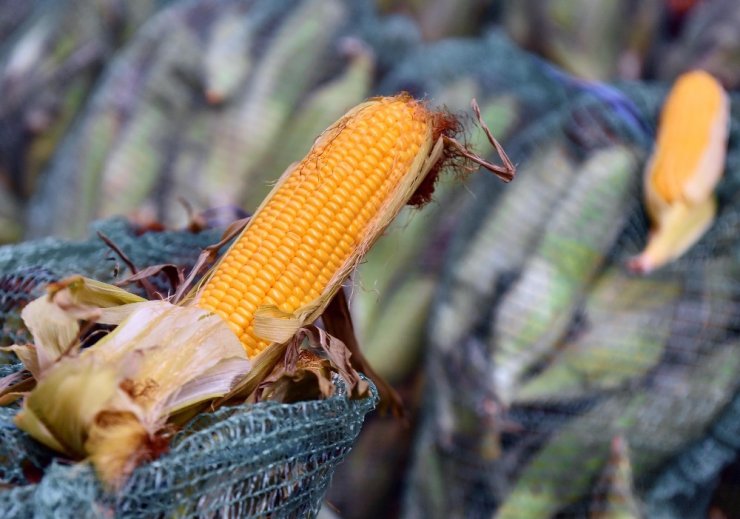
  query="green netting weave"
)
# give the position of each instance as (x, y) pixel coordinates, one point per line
(257, 460)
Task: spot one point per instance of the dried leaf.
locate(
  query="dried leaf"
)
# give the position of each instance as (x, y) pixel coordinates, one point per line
(338, 322)
(54, 332)
(59, 411)
(309, 378)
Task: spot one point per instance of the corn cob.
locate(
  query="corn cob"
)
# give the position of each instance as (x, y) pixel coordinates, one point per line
(227, 61)
(626, 327)
(322, 215)
(506, 233)
(684, 169)
(537, 311)
(136, 164)
(244, 133)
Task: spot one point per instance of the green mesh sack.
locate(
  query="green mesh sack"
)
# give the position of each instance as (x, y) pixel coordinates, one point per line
(257, 460)
(560, 385)
(265, 459)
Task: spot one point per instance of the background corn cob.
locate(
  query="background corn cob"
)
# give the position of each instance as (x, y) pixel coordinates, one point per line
(288, 66)
(647, 420)
(511, 226)
(536, 313)
(622, 334)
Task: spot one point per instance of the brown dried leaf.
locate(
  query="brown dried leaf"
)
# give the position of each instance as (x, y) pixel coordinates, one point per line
(307, 377)
(338, 322)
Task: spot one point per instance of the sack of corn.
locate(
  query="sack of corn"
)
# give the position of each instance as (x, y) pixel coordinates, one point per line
(110, 377)
(584, 337)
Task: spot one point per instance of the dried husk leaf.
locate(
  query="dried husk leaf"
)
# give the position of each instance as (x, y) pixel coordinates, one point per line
(59, 411)
(308, 378)
(54, 332)
(110, 402)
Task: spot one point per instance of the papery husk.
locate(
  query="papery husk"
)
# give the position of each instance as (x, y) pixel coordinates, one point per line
(110, 403)
(54, 319)
(614, 495)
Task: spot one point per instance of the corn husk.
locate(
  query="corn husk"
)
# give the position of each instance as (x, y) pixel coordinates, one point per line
(110, 403)
(614, 495)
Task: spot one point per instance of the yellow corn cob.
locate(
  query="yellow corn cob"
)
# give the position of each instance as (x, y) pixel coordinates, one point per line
(685, 167)
(323, 214)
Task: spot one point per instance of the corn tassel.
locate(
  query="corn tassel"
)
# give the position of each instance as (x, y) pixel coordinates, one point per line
(320, 218)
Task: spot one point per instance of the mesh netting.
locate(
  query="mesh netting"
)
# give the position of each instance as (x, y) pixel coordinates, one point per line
(249, 461)
(258, 460)
(544, 349)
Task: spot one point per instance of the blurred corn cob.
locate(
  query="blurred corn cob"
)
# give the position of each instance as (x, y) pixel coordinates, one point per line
(684, 169)
(287, 68)
(535, 314)
(624, 332)
(505, 236)
(138, 163)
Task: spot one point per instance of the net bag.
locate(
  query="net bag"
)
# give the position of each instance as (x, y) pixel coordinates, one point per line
(559, 384)
(257, 460)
